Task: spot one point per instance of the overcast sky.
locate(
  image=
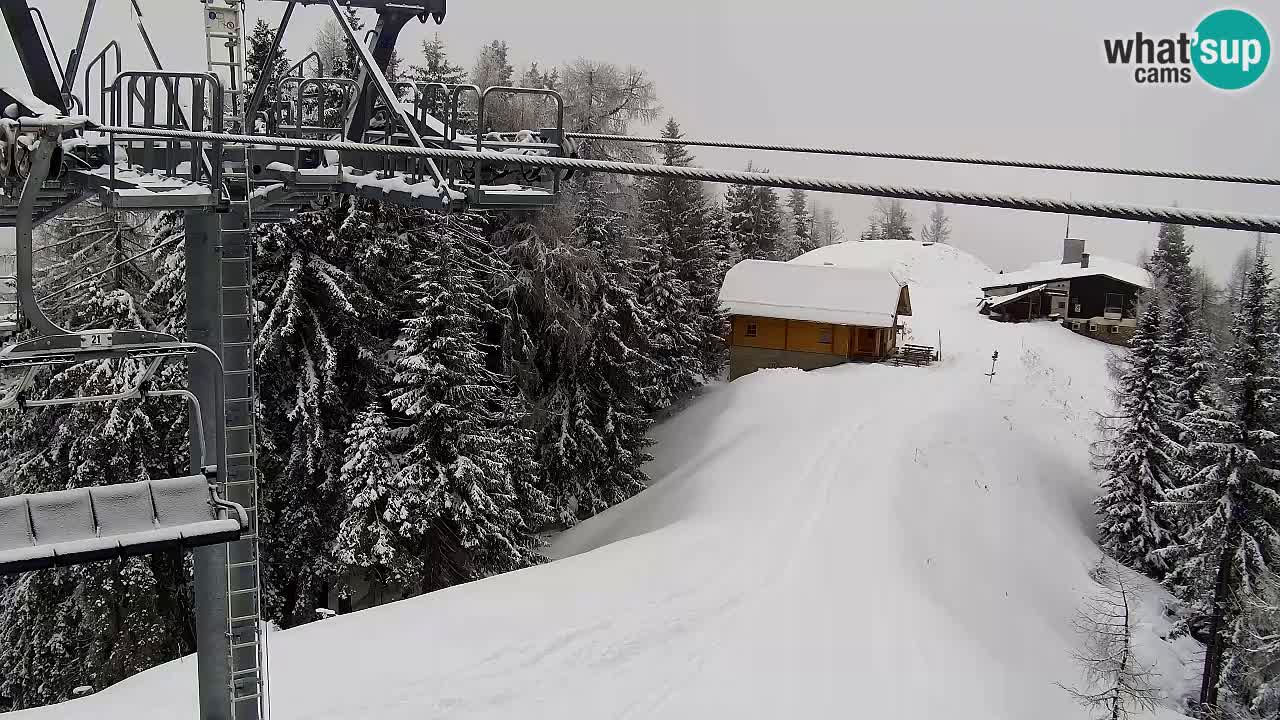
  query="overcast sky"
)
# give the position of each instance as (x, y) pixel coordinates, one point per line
(995, 78)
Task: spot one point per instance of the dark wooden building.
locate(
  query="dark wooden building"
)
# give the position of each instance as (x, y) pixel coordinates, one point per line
(1093, 296)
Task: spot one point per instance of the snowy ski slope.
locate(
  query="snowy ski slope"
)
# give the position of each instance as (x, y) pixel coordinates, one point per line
(861, 541)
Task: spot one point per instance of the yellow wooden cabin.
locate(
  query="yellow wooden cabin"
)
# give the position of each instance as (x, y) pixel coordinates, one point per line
(810, 316)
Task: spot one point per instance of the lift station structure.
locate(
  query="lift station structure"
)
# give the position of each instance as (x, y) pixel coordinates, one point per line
(52, 156)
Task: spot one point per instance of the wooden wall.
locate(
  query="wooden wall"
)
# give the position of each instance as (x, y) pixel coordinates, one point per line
(1090, 294)
(770, 332)
(802, 336)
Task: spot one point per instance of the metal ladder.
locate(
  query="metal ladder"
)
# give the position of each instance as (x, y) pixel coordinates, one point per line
(244, 576)
(225, 47)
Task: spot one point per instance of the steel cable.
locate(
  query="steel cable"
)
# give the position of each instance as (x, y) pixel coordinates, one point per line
(956, 159)
(1122, 211)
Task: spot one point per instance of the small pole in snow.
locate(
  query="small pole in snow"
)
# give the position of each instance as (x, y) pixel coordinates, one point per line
(995, 355)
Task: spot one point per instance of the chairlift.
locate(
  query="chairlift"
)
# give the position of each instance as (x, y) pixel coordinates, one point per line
(70, 527)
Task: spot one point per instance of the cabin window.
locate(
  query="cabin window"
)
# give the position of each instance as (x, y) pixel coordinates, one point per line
(1115, 329)
(824, 336)
(1115, 303)
(1076, 305)
(1093, 327)
(1075, 326)
(751, 330)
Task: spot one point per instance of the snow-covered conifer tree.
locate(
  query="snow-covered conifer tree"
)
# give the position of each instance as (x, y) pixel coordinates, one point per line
(1185, 340)
(466, 492)
(1141, 466)
(92, 624)
(316, 367)
(801, 224)
(372, 540)
(1231, 505)
(593, 438)
(260, 40)
(755, 221)
(674, 342)
(680, 284)
(436, 66)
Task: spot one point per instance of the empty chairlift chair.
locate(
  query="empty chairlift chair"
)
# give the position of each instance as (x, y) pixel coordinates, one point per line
(68, 527)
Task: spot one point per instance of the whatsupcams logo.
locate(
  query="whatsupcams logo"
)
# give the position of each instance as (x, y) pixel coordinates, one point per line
(1229, 50)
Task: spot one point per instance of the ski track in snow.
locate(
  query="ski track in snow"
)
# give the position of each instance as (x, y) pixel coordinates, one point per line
(859, 541)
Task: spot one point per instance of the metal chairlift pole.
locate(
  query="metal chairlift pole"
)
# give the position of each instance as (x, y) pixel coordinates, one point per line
(73, 61)
(220, 267)
(204, 326)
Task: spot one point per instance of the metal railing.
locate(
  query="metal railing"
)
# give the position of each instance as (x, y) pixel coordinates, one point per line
(155, 100)
(109, 53)
(500, 141)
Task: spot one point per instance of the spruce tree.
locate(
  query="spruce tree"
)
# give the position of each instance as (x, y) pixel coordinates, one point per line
(721, 256)
(593, 440)
(755, 221)
(801, 224)
(680, 279)
(1231, 505)
(372, 539)
(317, 362)
(1142, 464)
(260, 40)
(1185, 343)
(436, 66)
(466, 491)
(674, 342)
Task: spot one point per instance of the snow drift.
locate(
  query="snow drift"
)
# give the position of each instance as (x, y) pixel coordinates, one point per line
(859, 541)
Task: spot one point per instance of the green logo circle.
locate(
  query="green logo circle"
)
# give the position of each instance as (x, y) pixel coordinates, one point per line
(1231, 49)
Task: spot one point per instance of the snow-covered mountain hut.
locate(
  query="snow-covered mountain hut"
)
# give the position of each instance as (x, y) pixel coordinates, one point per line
(1091, 295)
(810, 316)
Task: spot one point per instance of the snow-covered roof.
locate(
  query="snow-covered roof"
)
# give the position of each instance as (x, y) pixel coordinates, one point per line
(1052, 271)
(817, 293)
(1006, 299)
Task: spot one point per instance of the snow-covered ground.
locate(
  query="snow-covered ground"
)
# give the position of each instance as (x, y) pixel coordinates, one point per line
(860, 541)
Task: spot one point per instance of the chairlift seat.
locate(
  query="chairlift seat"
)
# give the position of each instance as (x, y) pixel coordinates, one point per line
(69, 527)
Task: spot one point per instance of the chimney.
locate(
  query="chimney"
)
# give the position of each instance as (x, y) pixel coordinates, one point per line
(1072, 250)
(1084, 260)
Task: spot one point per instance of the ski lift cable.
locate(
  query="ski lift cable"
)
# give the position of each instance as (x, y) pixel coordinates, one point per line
(956, 159)
(1121, 211)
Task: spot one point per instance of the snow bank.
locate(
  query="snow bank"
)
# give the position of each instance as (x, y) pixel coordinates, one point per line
(860, 541)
